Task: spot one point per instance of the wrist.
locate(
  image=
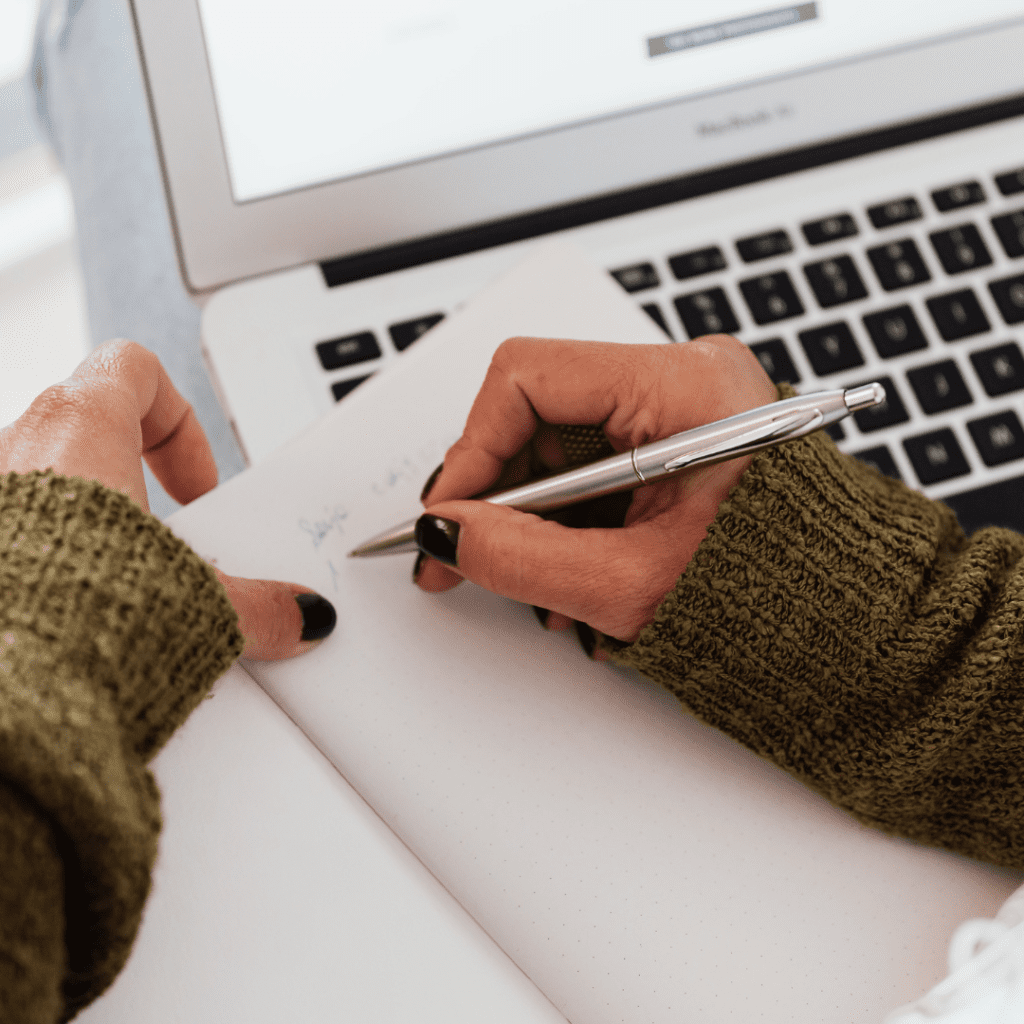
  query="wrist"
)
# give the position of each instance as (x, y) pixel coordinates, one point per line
(100, 585)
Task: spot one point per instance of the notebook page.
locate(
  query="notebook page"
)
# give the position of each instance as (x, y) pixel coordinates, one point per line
(279, 896)
(636, 864)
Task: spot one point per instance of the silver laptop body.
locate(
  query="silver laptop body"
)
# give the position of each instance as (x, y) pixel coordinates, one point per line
(840, 185)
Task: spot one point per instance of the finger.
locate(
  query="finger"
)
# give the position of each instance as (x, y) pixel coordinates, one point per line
(505, 413)
(278, 620)
(75, 428)
(637, 392)
(609, 510)
(433, 576)
(612, 579)
(172, 439)
(183, 462)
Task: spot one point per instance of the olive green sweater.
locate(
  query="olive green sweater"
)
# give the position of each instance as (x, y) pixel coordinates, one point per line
(111, 632)
(841, 625)
(833, 620)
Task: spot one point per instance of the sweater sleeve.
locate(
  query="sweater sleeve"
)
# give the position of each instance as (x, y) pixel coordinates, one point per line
(841, 625)
(111, 631)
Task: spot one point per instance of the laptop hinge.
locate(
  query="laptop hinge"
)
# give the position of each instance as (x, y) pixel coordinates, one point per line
(545, 222)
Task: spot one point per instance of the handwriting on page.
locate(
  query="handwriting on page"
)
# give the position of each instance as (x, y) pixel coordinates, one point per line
(319, 528)
(411, 469)
(408, 472)
(403, 472)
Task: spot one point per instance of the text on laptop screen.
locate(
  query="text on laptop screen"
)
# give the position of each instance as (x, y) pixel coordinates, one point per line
(310, 91)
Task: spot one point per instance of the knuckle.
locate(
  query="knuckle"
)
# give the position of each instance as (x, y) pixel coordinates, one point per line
(118, 351)
(66, 402)
(511, 350)
(120, 361)
(508, 359)
(500, 556)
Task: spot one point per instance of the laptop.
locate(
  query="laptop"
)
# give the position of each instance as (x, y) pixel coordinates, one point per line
(840, 184)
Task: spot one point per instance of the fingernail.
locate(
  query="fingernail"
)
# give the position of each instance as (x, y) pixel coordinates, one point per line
(318, 616)
(586, 637)
(438, 538)
(542, 615)
(431, 480)
(420, 559)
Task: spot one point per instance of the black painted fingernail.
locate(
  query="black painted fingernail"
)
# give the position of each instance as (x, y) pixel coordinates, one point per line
(586, 637)
(542, 615)
(420, 559)
(438, 537)
(318, 616)
(431, 480)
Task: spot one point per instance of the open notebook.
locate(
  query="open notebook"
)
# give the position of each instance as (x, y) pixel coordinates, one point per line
(633, 863)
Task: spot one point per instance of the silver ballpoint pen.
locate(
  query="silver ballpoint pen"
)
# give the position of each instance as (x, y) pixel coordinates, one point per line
(725, 439)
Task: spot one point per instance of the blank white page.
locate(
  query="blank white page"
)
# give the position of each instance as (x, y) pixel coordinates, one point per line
(279, 896)
(636, 864)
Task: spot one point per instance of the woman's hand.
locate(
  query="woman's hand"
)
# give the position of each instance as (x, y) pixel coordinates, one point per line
(612, 579)
(120, 407)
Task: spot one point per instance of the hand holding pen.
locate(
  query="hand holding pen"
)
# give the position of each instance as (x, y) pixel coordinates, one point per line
(612, 579)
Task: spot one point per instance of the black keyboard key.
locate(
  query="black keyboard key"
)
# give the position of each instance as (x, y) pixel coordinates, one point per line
(404, 334)
(1012, 183)
(706, 312)
(898, 265)
(1009, 296)
(637, 278)
(835, 431)
(343, 387)
(936, 456)
(939, 386)
(653, 310)
(887, 414)
(775, 359)
(831, 348)
(760, 247)
(958, 315)
(895, 331)
(1000, 504)
(835, 281)
(968, 193)
(1010, 229)
(896, 211)
(818, 232)
(771, 297)
(879, 458)
(354, 348)
(961, 249)
(700, 261)
(1001, 368)
(998, 438)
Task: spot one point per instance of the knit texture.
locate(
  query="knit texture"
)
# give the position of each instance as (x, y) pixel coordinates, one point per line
(841, 625)
(111, 631)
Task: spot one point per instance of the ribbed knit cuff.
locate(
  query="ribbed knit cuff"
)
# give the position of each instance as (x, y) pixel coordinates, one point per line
(807, 565)
(841, 625)
(111, 631)
(111, 589)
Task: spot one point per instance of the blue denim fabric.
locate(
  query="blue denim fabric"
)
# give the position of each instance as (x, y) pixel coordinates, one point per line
(91, 104)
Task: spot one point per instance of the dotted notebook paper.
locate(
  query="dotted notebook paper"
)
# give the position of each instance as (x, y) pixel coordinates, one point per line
(635, 864)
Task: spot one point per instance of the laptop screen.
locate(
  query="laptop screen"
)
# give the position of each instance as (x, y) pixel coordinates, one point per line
(314, 91)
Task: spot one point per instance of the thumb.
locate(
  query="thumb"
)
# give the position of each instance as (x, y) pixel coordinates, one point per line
(278, 620)
(592, 575)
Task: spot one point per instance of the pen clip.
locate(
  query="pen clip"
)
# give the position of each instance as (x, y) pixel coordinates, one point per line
(777, 429)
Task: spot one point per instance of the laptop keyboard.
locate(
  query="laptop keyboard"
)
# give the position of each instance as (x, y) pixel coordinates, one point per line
(907, 308)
